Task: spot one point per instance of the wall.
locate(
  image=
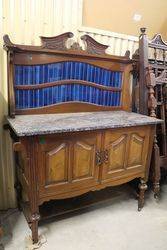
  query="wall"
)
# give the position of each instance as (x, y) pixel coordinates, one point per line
(117, 16)
(118, 43)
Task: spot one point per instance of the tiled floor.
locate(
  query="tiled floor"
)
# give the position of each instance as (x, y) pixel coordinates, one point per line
(114, 225)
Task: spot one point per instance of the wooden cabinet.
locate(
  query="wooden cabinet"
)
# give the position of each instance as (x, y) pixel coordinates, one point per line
(76, 162)
(64, 165)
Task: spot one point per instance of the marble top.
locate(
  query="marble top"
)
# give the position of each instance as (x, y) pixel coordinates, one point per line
(28, 125)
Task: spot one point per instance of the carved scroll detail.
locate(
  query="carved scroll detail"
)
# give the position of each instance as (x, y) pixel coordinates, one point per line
(151, 82)
(7, 42)
(93, 47)
(162, 78)
(56, 42)
(158, 42)
(76, 46)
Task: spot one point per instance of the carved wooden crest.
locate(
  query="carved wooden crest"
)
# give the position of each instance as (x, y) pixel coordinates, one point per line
(56, 42)
(59, 43)
(92, 46)
(53, 43)
(158, 42)
(162, 78)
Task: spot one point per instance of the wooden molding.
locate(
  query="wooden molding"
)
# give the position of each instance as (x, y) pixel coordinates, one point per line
(68, 81)
(67, 107)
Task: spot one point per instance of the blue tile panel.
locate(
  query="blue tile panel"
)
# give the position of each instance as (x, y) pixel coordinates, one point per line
(37, 74)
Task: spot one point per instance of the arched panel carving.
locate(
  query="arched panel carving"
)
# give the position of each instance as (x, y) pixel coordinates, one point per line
(57, 164)
(135, 150)
(117, 151)
(83, 160)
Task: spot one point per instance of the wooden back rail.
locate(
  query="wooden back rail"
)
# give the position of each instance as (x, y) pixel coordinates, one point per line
(52, 78)
(152, 81)
(158, 63)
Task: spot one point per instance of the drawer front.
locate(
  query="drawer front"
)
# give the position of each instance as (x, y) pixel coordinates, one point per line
(68, 162)
(127, 151)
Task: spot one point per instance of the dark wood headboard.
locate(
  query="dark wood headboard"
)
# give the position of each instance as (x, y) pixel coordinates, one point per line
(151, 58)
(52, 78)
(151, 82)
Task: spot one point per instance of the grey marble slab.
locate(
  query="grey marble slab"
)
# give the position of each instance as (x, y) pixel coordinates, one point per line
(28, 125)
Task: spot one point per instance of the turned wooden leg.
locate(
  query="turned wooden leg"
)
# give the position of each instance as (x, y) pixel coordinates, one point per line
(142, 189)
(33, 190)
(156, 169)
(34, 227)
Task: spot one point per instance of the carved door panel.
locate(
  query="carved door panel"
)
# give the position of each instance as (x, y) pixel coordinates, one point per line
(126, 151)
(137, 148)
(84, 153)
(69, 162)
(57, 162)
(115, 146)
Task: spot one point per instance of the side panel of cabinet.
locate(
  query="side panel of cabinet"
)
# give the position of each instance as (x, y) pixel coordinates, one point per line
(68, 162)
(127, 152)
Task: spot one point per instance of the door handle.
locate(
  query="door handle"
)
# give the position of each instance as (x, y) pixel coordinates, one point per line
(105, 156)
(98, 157)
(102, 157)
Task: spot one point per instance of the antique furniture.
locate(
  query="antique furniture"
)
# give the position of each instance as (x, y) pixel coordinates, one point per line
(151, 80)
(71, 122)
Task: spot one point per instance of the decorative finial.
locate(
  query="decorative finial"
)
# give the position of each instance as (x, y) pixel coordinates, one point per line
(143, 30)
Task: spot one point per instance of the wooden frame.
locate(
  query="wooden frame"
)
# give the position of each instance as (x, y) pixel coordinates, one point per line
(54, 50)
(151, 78)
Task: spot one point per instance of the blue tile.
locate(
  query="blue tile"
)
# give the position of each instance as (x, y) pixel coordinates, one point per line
(37, 74)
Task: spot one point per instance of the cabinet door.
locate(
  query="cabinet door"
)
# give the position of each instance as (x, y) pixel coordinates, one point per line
(127, 152)
(69, 162)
